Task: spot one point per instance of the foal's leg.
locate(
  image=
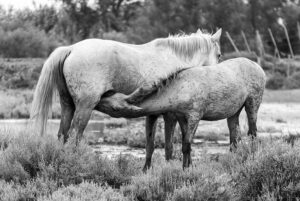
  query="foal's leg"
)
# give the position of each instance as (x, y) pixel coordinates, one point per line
(234, 129)
(81, 117)
(251, 106)
(150, 135)
(188, 127)
(170, 124)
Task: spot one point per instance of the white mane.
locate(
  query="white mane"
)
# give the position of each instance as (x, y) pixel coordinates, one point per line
(185, 45)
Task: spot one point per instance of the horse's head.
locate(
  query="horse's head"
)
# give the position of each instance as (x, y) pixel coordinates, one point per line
(215, 51)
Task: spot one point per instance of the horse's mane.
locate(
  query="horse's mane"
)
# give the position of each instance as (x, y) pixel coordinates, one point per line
(167, 81)
(186, 45)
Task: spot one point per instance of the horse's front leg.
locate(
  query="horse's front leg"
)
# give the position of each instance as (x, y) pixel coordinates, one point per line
(170, 124)
(188, 125)
(150, 135)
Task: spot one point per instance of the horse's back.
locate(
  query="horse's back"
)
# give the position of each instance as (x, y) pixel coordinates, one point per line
(249, 70)
(252, 74)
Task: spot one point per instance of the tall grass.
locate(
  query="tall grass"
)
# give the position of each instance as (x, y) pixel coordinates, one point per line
(42, 168)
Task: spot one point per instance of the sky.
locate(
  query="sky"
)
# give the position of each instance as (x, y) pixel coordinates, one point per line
(20, 4)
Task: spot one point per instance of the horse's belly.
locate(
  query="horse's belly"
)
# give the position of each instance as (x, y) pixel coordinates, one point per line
(220, 113)
(223, 109)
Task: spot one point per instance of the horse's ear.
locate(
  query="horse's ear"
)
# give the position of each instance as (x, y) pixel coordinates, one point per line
(216, 37)
(199, 31)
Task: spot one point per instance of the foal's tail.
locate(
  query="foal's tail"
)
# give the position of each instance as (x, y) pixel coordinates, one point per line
(42, 100)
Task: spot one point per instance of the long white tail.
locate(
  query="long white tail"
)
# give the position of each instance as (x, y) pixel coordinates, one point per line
(42, 99)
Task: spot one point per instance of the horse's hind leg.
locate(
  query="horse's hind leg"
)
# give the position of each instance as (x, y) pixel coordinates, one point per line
(67, 109)
(234, 129)
(81, 117)
(170, 124)
(150, 135)
(251, 106)
(67, 112)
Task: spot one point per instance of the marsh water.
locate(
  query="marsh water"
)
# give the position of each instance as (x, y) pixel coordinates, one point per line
(96, 128)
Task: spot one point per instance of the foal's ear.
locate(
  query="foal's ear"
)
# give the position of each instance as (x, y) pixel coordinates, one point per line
(216, 37)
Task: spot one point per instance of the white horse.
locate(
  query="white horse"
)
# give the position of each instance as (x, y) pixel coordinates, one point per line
(89, 70)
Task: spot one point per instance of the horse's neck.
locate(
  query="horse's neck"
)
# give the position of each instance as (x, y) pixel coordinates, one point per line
(170, 56)
(161, 62)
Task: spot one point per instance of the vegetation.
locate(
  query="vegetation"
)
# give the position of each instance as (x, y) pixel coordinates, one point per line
(42, 168)
(35, 33)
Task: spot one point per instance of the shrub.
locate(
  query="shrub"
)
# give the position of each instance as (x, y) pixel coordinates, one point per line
(212, 188)
(11, 191)
(26, 42)
(20, 73)
(293, 82)
(276, 81)
(85, 191)
(29, 157)
(117, 36)
(268, 169)
(164, 179)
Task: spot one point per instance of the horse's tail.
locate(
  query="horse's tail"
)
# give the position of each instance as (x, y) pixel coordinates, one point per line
(42, 99)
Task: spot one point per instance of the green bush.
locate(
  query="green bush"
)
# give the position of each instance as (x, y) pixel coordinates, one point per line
(11, 191)
(293, 82)
(276, 81)
(84, 192)
(203, 181)
(42, 190)
(20, 73)
(16, 104)
(265, 169)
(28, 157)
(113, 35)
(26, 42)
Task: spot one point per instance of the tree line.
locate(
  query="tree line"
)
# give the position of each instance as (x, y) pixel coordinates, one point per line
(35, 33)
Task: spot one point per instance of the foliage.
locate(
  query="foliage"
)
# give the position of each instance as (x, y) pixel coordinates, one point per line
(264, 169)
(84, 191)
(20, 73)
(16, 104)
(170, 181)
(35, 33)
(42, 168)
(30, 42)
(29, 157)
(293, 82)
(275, 82)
